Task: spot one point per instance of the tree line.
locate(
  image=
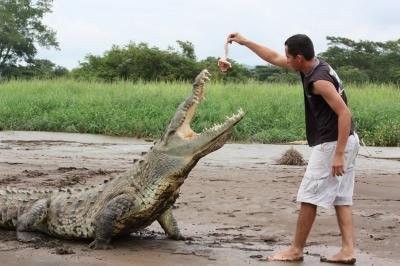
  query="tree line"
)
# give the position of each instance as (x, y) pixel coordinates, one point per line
(22, 30)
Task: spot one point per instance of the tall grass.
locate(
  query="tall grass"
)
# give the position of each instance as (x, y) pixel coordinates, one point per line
(376, 111)
(274, 112)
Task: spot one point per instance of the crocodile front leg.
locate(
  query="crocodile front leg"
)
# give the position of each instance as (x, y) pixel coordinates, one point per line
(170, 226)
(32, 220)
(115, 211)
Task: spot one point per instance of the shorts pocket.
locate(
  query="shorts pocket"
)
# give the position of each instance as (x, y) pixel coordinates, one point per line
(318, 168)
(319, 164)
(313, 184)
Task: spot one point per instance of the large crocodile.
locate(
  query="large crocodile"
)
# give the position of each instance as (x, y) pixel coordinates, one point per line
(125, 204)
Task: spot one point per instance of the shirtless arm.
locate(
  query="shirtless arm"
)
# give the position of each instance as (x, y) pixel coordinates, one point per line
(265, 53)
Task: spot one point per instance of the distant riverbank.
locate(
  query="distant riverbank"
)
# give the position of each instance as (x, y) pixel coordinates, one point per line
(274, 112)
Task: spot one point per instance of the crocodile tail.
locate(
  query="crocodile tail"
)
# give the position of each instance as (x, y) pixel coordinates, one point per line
(14, 202)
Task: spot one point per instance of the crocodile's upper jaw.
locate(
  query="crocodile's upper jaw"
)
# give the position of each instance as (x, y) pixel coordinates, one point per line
(179, 138)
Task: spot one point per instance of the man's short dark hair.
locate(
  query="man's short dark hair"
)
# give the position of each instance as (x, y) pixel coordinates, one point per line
(300, 44)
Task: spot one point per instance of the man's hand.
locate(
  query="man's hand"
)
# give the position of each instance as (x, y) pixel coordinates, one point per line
(236, 37)
(338, 164)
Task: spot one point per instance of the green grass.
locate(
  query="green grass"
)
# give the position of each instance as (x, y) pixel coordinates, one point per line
(274, 112)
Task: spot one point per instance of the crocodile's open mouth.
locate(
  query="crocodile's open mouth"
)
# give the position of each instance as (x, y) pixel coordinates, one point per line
(188, 109)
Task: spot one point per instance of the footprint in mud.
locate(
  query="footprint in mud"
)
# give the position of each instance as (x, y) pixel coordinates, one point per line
(72, 180)
(390, 227)
(260, 212)
(270, 239)
(198, 252)
(69, 169)
(64, 250)
(373, 215)
(103, 172)
(378, 238)
(64, 182)
(9, 180)
(330, 234)
(229, 214)
(33, 173)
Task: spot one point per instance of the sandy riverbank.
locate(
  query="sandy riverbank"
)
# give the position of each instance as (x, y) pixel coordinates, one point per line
(237, 204)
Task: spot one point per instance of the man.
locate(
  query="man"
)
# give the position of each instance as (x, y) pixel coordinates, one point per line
(329, 178)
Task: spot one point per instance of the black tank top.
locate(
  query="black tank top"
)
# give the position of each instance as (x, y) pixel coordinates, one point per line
(321, 120)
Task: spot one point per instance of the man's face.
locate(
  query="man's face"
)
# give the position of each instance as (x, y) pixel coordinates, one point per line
(292, 61)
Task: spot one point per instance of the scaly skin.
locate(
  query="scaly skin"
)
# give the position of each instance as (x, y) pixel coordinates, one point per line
(128, 203)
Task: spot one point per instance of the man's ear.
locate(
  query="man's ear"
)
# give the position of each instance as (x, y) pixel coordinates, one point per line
(300, 58)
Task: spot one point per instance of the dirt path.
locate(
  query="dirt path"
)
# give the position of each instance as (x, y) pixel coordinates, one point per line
(237, 204)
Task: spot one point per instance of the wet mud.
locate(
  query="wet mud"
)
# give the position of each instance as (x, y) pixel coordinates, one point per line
(237, 205)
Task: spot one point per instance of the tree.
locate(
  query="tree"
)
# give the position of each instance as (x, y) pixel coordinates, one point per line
(135, 62)
(272, 73)
(380, 61)
(36, 69)
(187, 49)
(21, 28)
(350, 74)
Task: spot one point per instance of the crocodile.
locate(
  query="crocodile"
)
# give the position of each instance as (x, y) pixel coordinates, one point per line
(125, 204)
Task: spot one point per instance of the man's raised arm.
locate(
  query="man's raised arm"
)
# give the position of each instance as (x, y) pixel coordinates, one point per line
(265, 53)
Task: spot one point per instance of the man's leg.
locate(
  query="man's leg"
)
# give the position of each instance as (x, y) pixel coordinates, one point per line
(304, 223)
(345, 221)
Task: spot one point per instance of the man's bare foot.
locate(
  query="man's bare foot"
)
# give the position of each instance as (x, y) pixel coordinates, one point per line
(291, 254)
(341, 257)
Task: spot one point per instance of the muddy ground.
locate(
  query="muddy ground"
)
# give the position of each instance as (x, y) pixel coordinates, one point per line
(237, 205)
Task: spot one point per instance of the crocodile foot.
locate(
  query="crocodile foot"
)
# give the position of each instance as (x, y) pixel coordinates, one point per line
(98, 244)
(28, 237)
(180, 237)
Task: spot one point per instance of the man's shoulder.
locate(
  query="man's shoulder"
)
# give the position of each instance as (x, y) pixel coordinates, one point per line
(323, 71)
(323, 66)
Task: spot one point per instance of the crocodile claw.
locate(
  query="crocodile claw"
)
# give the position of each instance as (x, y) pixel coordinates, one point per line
(96, 244)
(180, 237)
(28, 237)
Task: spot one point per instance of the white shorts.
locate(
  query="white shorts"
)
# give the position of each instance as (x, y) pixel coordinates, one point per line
(319, 186)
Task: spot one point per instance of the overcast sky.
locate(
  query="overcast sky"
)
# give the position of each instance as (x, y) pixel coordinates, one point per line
(93, 26)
